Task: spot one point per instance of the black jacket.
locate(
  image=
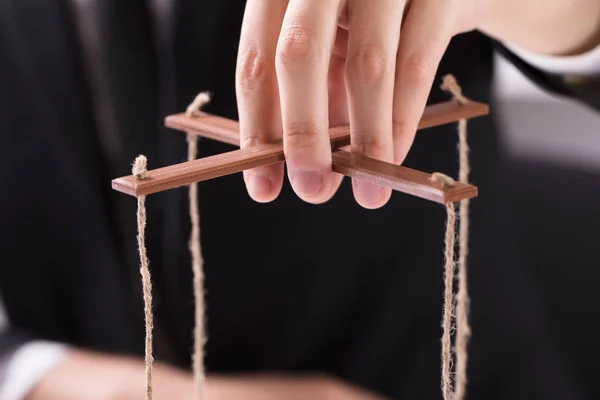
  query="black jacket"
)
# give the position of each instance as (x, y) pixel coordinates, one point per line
(290, 286)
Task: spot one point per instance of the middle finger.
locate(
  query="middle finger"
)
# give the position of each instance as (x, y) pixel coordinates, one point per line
(302, 64)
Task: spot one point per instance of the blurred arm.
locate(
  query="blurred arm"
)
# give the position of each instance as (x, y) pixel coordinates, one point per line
(23, 362)
(576, 77)
(586, 64)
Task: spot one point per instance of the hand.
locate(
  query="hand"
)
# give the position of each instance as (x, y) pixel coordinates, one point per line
(84, 375)
(306, 65)
(552, 27)
(283, 387)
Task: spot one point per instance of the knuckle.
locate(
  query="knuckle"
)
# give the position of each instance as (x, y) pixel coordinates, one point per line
(368, 65)
(373, 147)
(400, 128)
(249, 140)
(418, 69)
(252, 69)
(297, 46)
(300, 136)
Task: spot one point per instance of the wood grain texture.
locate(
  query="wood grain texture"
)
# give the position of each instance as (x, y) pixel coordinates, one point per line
(350, 164)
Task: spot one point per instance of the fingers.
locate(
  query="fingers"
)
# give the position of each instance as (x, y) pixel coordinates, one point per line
(390, 65)
(374, 33)
(302, 64)
(427, 30)
(257, 92)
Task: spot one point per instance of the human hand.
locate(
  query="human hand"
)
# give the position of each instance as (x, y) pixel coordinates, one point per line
(283, 387)
(85, 375)
(305, 65)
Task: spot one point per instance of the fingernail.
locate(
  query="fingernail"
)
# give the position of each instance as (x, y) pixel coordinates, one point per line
(307, 182)
(259, 185)
(368, 193)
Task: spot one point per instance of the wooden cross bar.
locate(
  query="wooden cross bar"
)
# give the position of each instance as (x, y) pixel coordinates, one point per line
(351, 164)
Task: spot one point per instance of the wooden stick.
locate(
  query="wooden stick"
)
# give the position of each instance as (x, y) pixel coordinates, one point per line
(228, 131)
(397, 177)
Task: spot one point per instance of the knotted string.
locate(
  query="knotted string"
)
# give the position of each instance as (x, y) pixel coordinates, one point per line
(463, 328)
(197, 262)
(139, 171)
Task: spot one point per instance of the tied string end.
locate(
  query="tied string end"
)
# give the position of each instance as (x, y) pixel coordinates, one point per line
(202, 99)
(444, 180)
(140, 167)
(450, 85)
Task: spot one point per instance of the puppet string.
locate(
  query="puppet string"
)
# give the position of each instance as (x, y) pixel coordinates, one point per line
(463, 329)
(139, 171)
(196, 254)
(448, 308)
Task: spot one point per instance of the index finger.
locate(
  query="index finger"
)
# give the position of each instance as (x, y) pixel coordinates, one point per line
(256, 89)
(302, 64)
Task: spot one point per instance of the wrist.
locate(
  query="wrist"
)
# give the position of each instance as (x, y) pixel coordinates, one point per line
(544, 27)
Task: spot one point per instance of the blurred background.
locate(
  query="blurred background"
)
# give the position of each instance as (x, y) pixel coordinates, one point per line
(555, 194)
(556, 200)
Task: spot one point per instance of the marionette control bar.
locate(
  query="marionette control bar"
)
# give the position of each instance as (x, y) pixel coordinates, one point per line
(399, 178)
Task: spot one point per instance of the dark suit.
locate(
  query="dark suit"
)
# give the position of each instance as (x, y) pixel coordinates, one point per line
(290, 286)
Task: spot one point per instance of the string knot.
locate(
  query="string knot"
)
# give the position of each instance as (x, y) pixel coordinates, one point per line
(444, 179)
(449, 84)
(140, 167)
(202, 99)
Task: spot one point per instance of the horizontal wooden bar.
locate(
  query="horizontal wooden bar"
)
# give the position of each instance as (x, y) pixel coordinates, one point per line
(186, 173)
(210, 167)
(227, 131)
(402, 179)
(397, 177)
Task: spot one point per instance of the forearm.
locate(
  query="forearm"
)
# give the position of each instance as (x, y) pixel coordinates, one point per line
(553, 27)
(91, 376)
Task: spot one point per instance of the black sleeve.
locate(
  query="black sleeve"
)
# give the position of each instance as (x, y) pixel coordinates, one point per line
(585, 90)
(10, 340)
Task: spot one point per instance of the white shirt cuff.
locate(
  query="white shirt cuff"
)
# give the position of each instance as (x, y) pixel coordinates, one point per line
(22, 369)
(585, 64)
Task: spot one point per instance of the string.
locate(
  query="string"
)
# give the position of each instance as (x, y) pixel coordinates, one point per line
(463, 328)
(197, 262)
(139, 171)
(448, 308)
